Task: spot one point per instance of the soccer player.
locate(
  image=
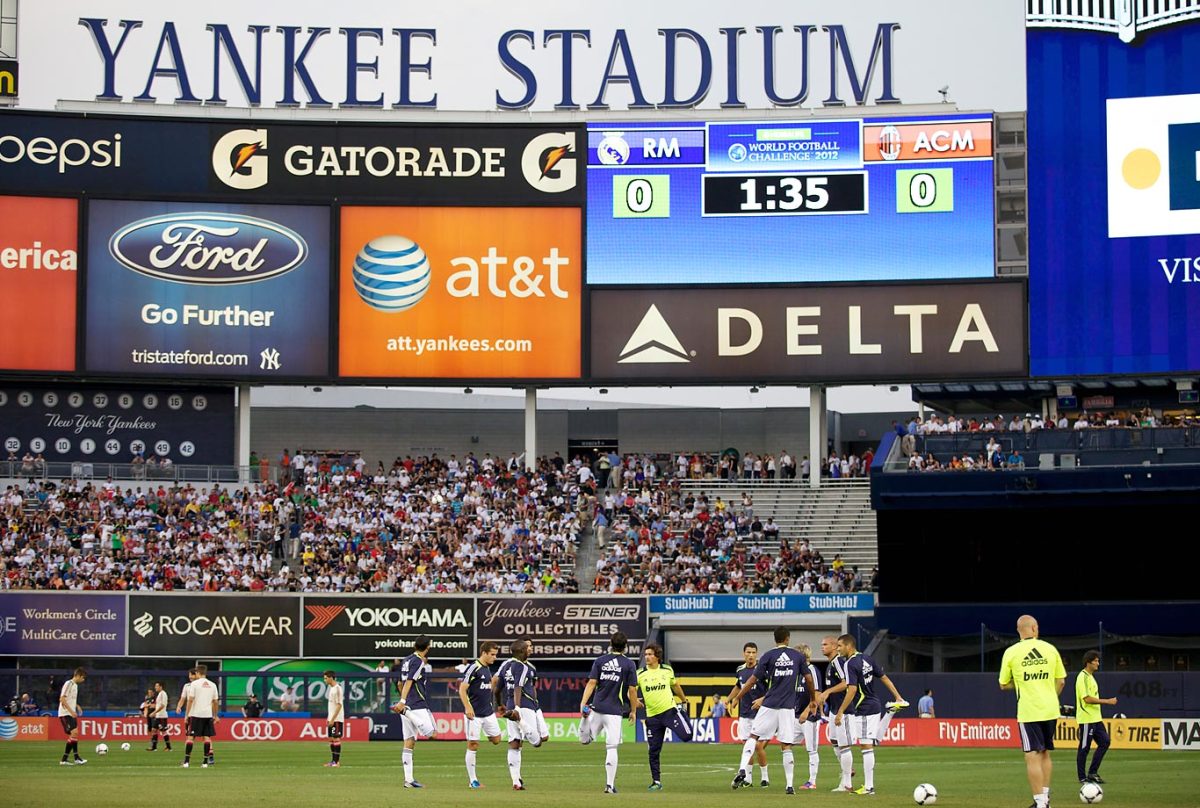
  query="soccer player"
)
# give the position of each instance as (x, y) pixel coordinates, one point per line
(181, 708)
(515, 687)
(808, 717)
(68, 715)
(203, 710)
(659, 690)
(415, 716)
(475, 692)
(862, 694)
(784, 671)
(832, 698)
(335, 717)
(613, 678)
(747, 710)
(147, 711)
(158, 719)
(1035, 670)
(1087, 713)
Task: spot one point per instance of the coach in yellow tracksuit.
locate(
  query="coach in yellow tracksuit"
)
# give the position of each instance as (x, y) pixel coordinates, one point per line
(1035, 670)
(659, 691)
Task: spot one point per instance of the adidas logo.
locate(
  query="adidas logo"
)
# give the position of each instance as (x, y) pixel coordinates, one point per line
(653, 342)
(1034, 657)
(611, 665)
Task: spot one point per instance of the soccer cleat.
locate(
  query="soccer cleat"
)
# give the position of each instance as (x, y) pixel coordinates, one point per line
(412, 784)
(610, 789)
(151, 748)
(64, 763)
(475, 784)
(763, 784)
(655, 786)
(184, 765)
(204, 765)
(896, 706)
(845, 789)
(1097, 779)
(863, 790)
(518, 787)
(809, 786)
(740, 780)
(789, 790)
(79, 761)
(332, 764)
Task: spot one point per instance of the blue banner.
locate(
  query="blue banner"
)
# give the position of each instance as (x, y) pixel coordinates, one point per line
(813, 145)
(826, 602)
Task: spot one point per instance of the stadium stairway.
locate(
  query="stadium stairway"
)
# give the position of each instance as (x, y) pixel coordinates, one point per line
(835, 518)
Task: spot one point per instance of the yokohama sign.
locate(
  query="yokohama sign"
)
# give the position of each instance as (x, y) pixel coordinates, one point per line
(358, 627)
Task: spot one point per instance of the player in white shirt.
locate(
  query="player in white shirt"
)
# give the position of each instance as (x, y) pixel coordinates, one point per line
(68, 716)
(335, 717)
(203, 708)
(158, 718)
(181, 707)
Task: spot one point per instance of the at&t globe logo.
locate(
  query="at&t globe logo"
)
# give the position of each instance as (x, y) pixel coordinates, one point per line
(8, 729)
(391, 273)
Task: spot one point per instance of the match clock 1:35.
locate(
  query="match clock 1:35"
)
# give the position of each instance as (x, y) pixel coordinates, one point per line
(784, 194)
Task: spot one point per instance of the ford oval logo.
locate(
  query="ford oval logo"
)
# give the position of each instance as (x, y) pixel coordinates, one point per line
(208, 248)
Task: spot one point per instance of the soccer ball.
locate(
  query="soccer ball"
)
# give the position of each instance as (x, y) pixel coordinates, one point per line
(125, 747)
(1090, 792)
(101, 749)
(925, 794)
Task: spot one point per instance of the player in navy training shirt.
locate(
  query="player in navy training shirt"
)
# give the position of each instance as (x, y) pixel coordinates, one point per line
(785, 673)
(611, 691)
(830, 700)
(415, 715)
(516, 685)
(477, 698)
(863, 702)
(808, 720)
(746, 708)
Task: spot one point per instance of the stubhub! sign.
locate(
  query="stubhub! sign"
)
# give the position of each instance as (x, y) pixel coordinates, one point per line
(824, 602)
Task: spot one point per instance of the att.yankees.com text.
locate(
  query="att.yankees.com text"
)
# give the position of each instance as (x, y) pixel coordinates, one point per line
(453, 344)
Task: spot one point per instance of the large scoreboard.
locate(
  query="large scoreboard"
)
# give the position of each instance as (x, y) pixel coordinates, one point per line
(903, 198)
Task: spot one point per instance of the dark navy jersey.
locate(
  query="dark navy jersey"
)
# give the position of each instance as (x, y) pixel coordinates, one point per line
(835, 674)
(614, 674)
(479, 689)
(414, 669)
(805, 697)
(781, 670)
(863, 672)
(745, 708)
(515, 675)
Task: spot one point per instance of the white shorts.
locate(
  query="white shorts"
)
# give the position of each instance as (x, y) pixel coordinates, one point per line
(531, 728)
(840, 735)
(745, 727)
(864, 729)
(477, 728)
(595, 723)
(774, 723)
(418, 723)
(811, 732)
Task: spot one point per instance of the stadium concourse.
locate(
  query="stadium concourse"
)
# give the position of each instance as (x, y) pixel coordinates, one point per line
(423, 526)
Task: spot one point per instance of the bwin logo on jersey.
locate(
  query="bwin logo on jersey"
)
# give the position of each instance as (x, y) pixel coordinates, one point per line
(1153, 166)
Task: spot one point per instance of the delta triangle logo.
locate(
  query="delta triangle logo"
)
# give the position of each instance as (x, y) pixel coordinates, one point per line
(653, 342)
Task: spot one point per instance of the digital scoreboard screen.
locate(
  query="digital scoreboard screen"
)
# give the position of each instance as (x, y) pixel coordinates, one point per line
(904, 198)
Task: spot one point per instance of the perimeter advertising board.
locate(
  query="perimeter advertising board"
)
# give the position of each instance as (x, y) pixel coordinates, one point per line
(365, 627)
(39, 260)
(1114, 190)
(89, 423)
(51, 624)
(226, 291)
(564, 628)
(822, 333)
(213, 626)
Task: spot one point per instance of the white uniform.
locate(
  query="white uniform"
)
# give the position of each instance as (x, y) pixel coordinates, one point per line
(160, 704)
(531, 728)
(185, 696)
(478, 727)
(69, 693)
(333, 703)
(776, 723)
(202, 694)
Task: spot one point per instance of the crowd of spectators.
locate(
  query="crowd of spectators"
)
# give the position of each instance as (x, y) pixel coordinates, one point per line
(1145, 418)
(423, 525)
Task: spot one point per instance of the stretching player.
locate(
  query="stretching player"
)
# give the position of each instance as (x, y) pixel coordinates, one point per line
(832, 698)
(659, 691)
(158, 719)
(475, 693)
(515, 686)
(747, 710)
(335, 717)
(415, 716)
(808, 717)
(862, 695)
(612, 679)
(68, 716)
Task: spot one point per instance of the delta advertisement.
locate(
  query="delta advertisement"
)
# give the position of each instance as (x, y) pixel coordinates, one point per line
(366, 626)
(1114, 217)
(564, 628)
(460, 293)
(200, 626)
(39, 261)
(43, 624)
(91, 425)
(225, 291)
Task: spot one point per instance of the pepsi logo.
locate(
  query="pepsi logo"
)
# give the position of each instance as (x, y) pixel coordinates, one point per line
(391, 273)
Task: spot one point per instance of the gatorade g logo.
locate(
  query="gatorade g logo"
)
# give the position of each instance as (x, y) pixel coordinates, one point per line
(549, 162)
(239, 158)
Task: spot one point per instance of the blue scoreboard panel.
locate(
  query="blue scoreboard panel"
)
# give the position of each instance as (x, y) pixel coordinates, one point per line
(904, 198)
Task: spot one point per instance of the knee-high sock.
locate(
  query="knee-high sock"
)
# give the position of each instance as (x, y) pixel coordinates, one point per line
(814, 764)
(406, 757)
(471, 765)
(208, 753)
(762, 772)
(154, 739)
(187, 751)
(336, 749)
(846, 761)
(610, 766)
(514, 765)
(67, 751)
(868, 766)
(789, 767)
(747, 753)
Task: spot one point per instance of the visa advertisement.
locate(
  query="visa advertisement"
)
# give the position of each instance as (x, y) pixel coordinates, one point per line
(1114, 192)
(460, 293)
(224, 291)
(39, 260)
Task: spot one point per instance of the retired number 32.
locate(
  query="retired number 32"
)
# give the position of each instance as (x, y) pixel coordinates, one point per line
(786, 194)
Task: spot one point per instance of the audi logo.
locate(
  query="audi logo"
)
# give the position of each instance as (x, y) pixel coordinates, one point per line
(244, 730)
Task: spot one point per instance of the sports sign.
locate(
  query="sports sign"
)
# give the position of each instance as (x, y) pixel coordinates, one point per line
(88, 423)
(45, 624)
(564, 628)
(227, 291)
(366, 626)
(1114, 217)
(460, 293)
(206, 626)
(827, 333)
(900, 198)
(39, 259)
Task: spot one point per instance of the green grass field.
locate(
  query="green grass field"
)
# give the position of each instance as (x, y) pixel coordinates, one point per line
(560, 774)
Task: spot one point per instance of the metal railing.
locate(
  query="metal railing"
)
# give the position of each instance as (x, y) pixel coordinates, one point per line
(133, 472)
